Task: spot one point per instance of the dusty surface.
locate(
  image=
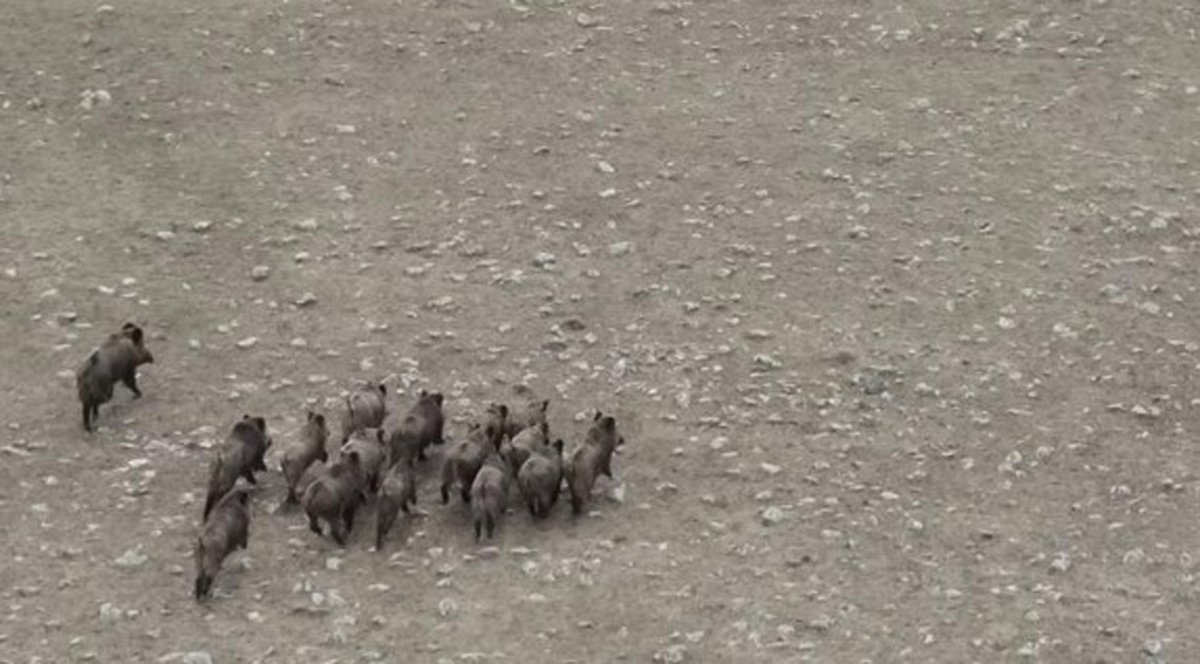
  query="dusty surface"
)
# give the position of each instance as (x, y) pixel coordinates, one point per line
(918, 283)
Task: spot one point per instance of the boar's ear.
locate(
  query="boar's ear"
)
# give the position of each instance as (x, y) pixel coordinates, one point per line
(352, 457)
(437, 397)
(133, 332)
(609, 424)
(261, 424)
(379, 435)
(310, 415)
(421, 393)
(319, 419)
(243, 497)
(598, 416)
(545, 404)
(383, 389)
(558, 445)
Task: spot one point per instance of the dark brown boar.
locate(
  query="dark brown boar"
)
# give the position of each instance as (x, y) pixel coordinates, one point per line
(239, 456)
(489, 494)
(301, 454)
(464, 459)
(540, 479)
(530, 414)
(366, 408)
(398, 492)
(372, 453)
(409, 435)
(117, 359)
(226, 529)
(335, 496)
(496, 415)
(592, 459)
(526, 443)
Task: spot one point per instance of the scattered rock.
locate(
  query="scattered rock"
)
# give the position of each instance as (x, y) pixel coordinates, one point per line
(131, 559)
(872, 383)
(260, 272)
(620, 248)
(110, 613)
(772, 515)
(671, 655)
(765, 361)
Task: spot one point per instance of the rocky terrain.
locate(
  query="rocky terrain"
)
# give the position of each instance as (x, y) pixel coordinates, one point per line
(895, 305)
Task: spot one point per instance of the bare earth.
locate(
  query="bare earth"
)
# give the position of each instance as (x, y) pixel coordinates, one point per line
(895, 306)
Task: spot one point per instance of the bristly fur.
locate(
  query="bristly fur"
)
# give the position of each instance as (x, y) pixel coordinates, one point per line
(117, 359)
(591, 459)
(226, 529)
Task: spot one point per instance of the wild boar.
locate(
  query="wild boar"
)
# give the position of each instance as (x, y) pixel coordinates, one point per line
(301, 454)
(464, 459)
(592, 459)
(529, 441)
(409, 435)
(489, 493)
(239, 456)
(531, 414)
(335, 496)
(540, 479)
(227, 528)
(372, 453)
(366, 408)
(496, 415)
(398, 492)
(117, 359)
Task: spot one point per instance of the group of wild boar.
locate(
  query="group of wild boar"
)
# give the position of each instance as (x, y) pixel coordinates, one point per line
(377, 456)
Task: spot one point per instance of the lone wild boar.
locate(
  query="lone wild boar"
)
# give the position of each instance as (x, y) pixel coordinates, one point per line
(398, 492)
(592, 459)
(116, 359)
(300, 455)
(489, 494)
(335, 495)
(366, 408)
(226, 529)
(240, 455)
(409, 435)
(540, 479)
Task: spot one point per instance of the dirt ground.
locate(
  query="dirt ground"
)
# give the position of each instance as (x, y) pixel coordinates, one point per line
(895, 305)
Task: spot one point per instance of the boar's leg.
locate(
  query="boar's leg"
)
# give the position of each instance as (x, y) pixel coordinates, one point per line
(130, 380)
